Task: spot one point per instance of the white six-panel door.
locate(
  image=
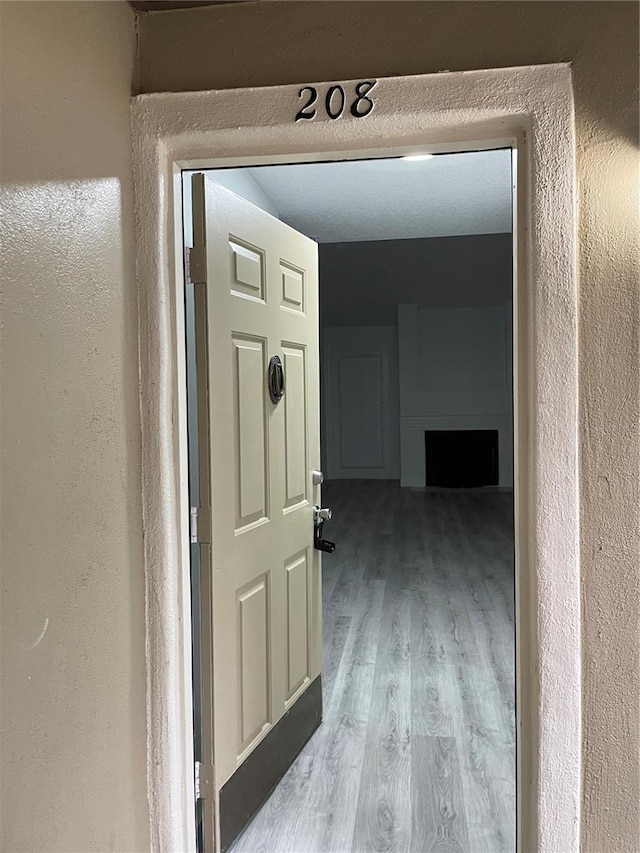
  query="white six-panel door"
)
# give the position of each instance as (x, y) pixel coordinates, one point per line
(261, 301)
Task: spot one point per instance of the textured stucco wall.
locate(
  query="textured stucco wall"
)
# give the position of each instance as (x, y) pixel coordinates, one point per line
(269, 43)
(73, 668)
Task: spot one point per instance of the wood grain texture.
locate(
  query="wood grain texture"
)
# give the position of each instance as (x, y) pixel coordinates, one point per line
(439, 822)
(416, 753)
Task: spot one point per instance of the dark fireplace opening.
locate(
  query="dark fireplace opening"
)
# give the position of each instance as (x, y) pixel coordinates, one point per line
(461, 458)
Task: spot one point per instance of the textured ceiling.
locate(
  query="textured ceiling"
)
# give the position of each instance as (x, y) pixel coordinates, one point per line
(446, 195)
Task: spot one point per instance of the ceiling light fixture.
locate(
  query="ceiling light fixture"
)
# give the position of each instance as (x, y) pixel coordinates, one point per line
(415, 157)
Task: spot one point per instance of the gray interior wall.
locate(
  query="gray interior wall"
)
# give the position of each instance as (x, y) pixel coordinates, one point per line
(458, 380)
(362, 284)
(380, 454)
(455, 373)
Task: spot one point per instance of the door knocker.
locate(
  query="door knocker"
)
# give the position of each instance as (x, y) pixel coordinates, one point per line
(276, 379)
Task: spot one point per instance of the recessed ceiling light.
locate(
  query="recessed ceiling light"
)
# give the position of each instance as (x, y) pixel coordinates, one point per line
(416, 157)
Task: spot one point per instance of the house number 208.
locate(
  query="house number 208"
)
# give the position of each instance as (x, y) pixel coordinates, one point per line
(335, 101)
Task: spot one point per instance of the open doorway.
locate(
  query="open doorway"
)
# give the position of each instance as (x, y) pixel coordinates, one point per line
(417, 746)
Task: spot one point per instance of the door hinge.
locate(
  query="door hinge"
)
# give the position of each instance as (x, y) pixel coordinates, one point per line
(193, 524)
(194, 264)
(199, 526)
(204, 781)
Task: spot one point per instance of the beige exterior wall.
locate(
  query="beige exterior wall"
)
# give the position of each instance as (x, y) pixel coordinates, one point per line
(270, 43)
(73, 760)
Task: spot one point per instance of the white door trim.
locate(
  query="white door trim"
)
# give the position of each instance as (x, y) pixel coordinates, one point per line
(530, 109)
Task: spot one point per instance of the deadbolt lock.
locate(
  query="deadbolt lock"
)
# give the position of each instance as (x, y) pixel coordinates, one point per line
(321, 514)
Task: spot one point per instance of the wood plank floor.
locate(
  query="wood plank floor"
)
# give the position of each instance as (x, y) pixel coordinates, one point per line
(417, 748)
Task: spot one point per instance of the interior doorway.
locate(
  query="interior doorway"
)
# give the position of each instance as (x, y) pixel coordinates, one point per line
(418, 739)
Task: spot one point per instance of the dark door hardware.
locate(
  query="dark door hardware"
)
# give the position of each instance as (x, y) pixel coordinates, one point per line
(276, 379)
(320, 515)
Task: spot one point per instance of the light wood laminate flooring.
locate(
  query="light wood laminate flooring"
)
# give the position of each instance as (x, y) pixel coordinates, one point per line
(416, 752)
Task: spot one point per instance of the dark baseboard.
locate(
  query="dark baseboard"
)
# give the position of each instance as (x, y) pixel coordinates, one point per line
(242, 795)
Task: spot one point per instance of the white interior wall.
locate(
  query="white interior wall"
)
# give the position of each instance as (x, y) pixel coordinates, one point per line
(242, 183)
(239, 181)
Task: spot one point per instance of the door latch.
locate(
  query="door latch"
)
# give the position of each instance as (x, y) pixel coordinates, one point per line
(320, 515)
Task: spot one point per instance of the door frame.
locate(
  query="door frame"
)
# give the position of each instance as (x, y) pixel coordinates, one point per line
(529, 109)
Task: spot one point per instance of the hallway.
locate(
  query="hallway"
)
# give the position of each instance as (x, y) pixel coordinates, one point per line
(416, 751)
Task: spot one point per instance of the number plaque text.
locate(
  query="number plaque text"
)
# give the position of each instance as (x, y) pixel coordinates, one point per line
(337, 101)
